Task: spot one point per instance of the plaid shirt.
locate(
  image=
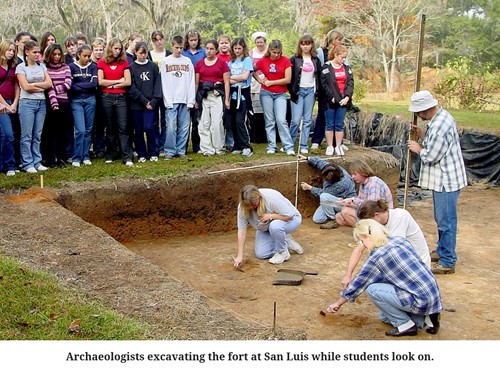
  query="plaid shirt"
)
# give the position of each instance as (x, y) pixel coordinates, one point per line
(441, 156)
(398, 264)
(373, 190)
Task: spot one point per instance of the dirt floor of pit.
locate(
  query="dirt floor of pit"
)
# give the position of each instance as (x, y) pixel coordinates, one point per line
(470, 296)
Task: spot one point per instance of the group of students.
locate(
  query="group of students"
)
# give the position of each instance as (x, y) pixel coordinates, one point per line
(59, 102)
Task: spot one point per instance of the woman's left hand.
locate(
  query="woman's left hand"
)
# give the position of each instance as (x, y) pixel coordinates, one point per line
(344, 101)
(333, 308)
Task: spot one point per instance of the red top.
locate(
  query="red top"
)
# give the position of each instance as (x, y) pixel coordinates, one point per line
(341, 78)
(224, 57)
(8, 88)
(213, 73)
(273, 70)
(113, 71)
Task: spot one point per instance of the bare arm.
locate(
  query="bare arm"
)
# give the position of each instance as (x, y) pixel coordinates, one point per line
(242, 235)
(282, 81)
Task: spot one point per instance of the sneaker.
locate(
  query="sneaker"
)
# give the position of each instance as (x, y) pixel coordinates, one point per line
(304, 151)
(290, 152)
(247, 152)
(108, 161)
(76, 164)
(69, 161)
(42, 168)
(339, 151)
(87, 162)
(314, 146)
(221, 152)
(31, 170)
(199, 152)
(344, 147)
(182, 156)
(236, 152)
(129, 163)
(142, 160)
(270, 152)
(438, 269)
(10, 173)
(154, 158)
(279, 258)
(162, 154)
(168, 157)
(282, 149)
(293, 245)
(329, 224)
(434, 256)
(329, 151)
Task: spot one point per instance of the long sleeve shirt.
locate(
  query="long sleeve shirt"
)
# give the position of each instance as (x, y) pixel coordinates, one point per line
(61, 83)
(372, 190)
(84, 80)
(344, 188)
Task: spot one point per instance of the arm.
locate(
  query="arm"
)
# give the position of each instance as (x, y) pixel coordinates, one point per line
(334, 307)
(282, 81)
(107, 82)
(28, 87)
(242, 235)
(127, 80)
(227, 89)
(46, 84)
(351, 265)
(65, 86)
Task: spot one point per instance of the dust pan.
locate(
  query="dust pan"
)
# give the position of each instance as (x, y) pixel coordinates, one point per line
(290, 277)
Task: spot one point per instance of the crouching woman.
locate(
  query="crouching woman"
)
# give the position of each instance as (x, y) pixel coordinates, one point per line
(274, 217)
(397, 282)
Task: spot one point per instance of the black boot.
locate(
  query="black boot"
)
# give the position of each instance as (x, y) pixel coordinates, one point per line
(435, 318)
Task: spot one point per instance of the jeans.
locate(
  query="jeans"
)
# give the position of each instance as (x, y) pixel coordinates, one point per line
(31, 115)
(325, 211)
(302, 110)
(274, 107)
(146, 121)
(83, 117)
(272, 241)
(116, 114)
(177, 134)
(445, 215)
(385, 298)
(7, 159)
(334, 119)
(98, 129)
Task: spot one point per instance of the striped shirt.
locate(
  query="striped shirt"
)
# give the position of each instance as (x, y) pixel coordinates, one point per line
(60, 75)
(441, 156)
(398, 264)
(372, 190)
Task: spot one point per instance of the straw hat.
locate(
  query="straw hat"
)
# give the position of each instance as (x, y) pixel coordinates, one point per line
(421, 101)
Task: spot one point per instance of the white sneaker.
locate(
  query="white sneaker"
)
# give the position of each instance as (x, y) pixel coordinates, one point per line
(279, 258)
(42, 168)
(236, 152)
(87, 162)
(108, 161)
(247, 152)
(270, 152)
(282, 149)
(290, 152)
(339, 151)
(344, 147)
(329, 151)
(154, 158)
(10, 173)
(142, 160)
(129, 163)
(76, 164)
(293, 245)
(31, 170)
(314, 146)
(304, 151)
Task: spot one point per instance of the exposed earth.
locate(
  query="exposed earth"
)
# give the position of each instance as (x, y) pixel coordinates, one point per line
(164, 255)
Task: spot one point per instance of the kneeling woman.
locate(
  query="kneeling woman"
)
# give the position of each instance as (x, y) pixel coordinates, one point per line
(396, 280)
(274, 217)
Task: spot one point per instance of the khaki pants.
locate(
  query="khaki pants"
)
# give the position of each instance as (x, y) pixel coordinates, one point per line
(211, 128)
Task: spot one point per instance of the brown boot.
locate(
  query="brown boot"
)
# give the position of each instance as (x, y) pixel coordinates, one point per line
(329, 224)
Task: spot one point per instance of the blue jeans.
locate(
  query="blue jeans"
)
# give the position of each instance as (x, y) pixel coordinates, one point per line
(7, 159)
(83, 117)
(31, 115)
(302, 110)
(146, 121)
(385, 298)
(162, 131)
(334, 119)
(325, 211)
(445, 215)
(272, 241)
(274, 107)
(177, 135)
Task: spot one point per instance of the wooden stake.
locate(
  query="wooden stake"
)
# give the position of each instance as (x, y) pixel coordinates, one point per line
(41, 181)
(274, 319)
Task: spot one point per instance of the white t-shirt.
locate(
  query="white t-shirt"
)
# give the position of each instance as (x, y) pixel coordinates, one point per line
(307, 76)
(402, 224)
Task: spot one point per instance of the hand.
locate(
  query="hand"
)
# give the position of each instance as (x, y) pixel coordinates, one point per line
(418, 130)
(301, 157)
(11, 109)
(149, 106)
(228, 103)
(333, 308)
(305, 186)
(344, 101)
(238, 262)
(267, 83)
(346, 280)
(414, 146)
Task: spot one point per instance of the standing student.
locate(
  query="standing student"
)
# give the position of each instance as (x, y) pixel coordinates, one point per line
(81, 40)
(9, 99)
(257, 124)
(224, 52)
(34, 80)
(133, 39)
(276, 73)
(241, 68)
(99, 127)
(21, 38)
(71, 45)
(145, 96)
(83, 103)
(179, 95)
(47, 39)
(303, 86)
(337, 82)
(212, 98)
(156, 55)
(442, 171)
(114, 78)
(332, 39)
(195, 52)
(57, 135)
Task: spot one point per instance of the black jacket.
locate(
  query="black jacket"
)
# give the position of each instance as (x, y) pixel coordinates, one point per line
(294, 85)
(330, 88)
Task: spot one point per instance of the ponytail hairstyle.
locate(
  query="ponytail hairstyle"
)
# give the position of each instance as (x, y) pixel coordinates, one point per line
(377, 233)
(274, 44)
(82, 48)
(28, 46)
(368, 209)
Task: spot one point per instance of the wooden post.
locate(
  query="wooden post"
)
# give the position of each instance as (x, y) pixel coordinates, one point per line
(413, 132)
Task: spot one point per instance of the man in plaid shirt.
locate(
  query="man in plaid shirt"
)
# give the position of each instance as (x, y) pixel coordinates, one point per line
(442, 171)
